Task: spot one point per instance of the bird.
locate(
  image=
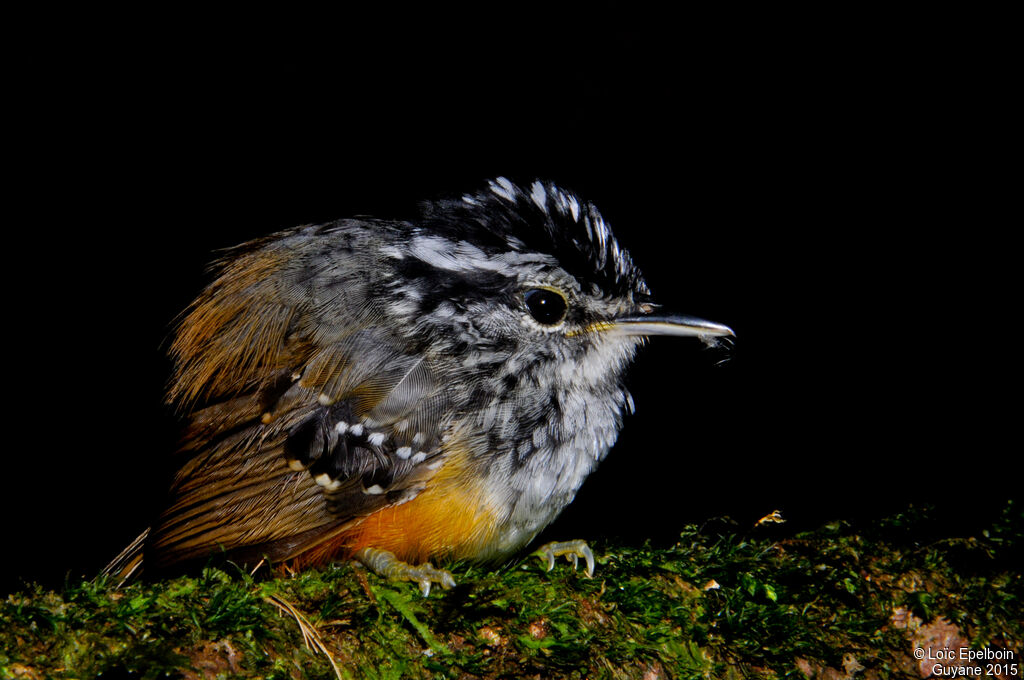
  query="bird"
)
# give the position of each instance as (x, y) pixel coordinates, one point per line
(402, 391)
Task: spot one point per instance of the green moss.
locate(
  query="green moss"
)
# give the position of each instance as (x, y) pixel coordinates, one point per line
(813, 601)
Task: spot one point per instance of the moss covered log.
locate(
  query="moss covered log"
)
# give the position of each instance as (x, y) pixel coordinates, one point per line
(720, 603)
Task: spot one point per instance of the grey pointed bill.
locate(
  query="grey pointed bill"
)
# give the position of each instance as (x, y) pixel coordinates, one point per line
(671, 324)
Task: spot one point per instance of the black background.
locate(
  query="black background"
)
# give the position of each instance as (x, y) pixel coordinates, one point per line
(829, 186)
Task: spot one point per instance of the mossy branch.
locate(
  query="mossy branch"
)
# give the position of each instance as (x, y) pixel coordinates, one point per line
(721, 603)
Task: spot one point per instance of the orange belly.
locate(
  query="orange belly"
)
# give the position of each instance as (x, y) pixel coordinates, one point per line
(454, 517)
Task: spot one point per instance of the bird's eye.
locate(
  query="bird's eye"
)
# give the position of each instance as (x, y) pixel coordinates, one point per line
(546, 306)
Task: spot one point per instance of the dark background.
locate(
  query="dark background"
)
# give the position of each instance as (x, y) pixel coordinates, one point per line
(829, 186)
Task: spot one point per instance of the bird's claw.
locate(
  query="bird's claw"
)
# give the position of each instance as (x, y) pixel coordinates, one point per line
(384, 563)
(571, 550)
(426, 574)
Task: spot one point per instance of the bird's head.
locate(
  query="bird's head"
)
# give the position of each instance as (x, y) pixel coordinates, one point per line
(528, 283)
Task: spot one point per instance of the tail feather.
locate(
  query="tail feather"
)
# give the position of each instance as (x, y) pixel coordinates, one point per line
(128, 564)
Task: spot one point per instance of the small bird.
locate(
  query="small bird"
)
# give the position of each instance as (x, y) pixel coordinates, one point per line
(399, 391)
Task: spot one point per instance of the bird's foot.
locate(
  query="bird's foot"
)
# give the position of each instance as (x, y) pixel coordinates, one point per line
(384, 563)
(572, 550)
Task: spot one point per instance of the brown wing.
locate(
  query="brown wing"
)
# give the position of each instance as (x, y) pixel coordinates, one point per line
(303, 414)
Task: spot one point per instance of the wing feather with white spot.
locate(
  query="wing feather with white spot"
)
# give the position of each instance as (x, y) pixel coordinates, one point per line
(304, 414)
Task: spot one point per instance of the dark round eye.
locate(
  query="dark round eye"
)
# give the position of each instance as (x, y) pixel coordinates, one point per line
(546, 306)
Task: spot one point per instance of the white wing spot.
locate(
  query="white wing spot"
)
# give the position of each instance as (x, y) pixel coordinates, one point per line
(324, 480)
(403, 452)
(356, 430)
(341, 427)
(377, 438)
(374, 490)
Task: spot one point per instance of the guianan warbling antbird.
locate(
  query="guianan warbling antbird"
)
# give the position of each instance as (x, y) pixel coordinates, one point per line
(398, 391)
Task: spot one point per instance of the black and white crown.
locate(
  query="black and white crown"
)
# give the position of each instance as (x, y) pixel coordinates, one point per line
(541, 218)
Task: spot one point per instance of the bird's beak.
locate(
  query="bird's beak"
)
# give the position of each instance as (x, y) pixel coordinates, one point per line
(670, 324)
